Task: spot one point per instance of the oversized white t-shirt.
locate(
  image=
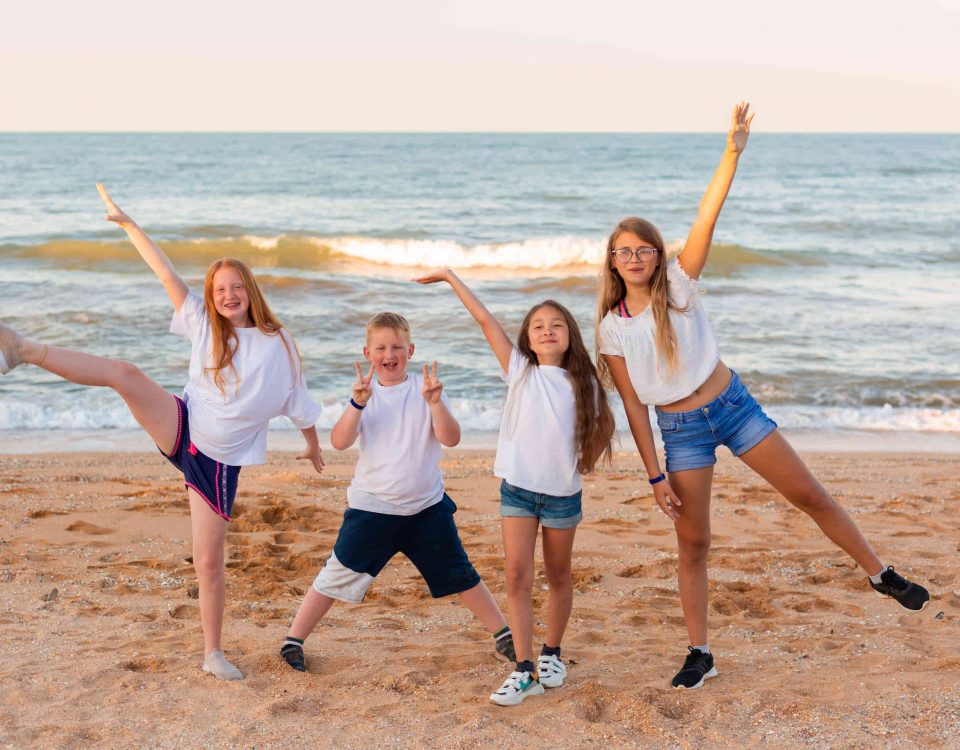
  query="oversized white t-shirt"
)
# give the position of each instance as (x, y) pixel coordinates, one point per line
(635, 339)
(536, 449)
(398, 471)
(231, 426)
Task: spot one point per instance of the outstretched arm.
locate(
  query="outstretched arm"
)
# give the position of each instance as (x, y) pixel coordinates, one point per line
(639, 419)
(693, 257)
(492, 330)
(159, 263)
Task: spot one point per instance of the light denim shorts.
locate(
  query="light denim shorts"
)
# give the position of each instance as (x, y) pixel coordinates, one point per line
(733, 419)
(554, 512)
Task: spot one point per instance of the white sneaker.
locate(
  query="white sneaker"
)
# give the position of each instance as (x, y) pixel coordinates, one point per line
(9, 349)
(217, 665)
(517, 687)
(552, 671)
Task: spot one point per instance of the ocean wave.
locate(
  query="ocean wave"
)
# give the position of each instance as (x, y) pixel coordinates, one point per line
(480, 415)
(566, 255)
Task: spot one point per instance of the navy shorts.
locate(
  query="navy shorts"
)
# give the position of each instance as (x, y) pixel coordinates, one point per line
(553, 511)
(733, 419)
(215, 482)
(368, 540)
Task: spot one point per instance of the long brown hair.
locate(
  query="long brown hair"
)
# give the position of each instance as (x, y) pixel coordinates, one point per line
(595, 425)
(613, 289)
(225, 335)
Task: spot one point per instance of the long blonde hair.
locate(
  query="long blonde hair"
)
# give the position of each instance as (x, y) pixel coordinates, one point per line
(613, 289)
(594, 422)
(225, 339)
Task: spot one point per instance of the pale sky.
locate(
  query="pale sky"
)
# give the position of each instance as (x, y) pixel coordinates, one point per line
(487, 65)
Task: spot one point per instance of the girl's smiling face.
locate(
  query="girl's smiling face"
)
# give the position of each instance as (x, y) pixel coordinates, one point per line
(230, 296)
(549, 335)
(634, 270)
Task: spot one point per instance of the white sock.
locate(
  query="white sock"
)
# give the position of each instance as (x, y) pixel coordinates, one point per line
(703, 649)
(878, 576)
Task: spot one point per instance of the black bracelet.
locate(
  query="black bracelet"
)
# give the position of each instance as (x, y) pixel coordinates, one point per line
(357, 406)
(662, 477)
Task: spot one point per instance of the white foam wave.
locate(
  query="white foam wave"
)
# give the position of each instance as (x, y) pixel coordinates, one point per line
(543, 253)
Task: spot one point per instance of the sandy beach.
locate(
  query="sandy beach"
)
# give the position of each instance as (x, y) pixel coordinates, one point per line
(101, 642)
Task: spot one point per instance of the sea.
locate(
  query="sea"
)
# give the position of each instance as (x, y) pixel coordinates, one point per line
(833, 284)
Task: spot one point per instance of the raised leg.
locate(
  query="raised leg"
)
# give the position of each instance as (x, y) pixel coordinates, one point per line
(775, 460)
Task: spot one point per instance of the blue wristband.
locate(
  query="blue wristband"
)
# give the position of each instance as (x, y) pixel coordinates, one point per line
(656, 479)
(357, 406)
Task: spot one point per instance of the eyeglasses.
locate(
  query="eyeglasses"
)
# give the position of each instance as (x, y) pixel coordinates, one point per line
(624, 254)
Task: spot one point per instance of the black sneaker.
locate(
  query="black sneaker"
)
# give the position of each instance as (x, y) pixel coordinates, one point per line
(292, 654)
(505, 649)
(697, 667)
(913, 596)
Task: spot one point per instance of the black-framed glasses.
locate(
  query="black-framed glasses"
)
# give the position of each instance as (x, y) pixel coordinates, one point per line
(624, 254)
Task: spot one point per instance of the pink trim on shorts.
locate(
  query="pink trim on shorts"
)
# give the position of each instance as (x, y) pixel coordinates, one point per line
(203, 497)
(176, 445)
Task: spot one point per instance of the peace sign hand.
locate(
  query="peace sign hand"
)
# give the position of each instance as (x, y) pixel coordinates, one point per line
(739, 128)
(362, 390)
(114, 213)
(432, 387)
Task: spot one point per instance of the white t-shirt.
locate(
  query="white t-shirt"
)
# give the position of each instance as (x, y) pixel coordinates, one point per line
(231, 426)
(398, 471)
(635, 339)
(536, 449)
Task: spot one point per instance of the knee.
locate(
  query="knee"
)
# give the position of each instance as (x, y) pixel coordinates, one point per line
(123, 373)
(694, 547)
(519, 581)
(812, 500)
(208, 564)
(559, 576)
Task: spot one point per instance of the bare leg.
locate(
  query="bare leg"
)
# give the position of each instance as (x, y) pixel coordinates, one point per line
(314, 606)
(519, 543)
(480, 601)
(209, 532)
(776, 461)
(693, 546)
(557, 554)
(151, 405)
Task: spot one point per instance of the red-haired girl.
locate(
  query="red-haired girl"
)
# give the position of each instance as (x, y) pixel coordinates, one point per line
(244, 370)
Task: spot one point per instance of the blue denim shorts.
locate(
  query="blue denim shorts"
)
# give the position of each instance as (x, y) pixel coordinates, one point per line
(554, 512)
(733, 419)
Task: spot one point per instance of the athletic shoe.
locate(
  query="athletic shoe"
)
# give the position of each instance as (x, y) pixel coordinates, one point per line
(913, 596)
(9, 349)
(697, 667)
(217, 665)
(505, 649)
(517, 687)
(292, 653)
(551, 670)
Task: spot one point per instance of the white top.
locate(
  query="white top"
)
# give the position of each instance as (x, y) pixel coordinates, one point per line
(536, 449)
(635, 339)
(398, 471)
(231, 426)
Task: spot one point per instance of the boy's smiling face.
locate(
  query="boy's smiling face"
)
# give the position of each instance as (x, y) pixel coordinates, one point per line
(389, 350)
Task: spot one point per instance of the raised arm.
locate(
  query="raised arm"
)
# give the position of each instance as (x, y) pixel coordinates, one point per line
(159, 263)
(693, 257)
(639, 418)
(345, 431)
(492, 330)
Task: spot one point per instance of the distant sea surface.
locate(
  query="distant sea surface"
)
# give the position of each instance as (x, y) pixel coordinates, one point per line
(832, 285)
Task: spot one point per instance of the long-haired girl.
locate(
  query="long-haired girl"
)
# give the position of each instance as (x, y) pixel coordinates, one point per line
(556, 426)
(655, 344)
(244, 370)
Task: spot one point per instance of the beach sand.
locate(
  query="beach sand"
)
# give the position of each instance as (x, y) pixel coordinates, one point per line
(101, 643)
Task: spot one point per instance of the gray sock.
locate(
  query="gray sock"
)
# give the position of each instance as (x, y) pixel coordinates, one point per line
(877, 578)
(703, 649)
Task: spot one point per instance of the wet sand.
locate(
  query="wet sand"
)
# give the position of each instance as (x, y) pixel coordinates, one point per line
(101, 643)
